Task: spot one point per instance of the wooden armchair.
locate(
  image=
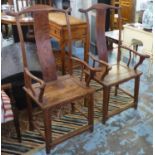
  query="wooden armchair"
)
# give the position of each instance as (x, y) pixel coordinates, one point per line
(52, 91)
(116, 74)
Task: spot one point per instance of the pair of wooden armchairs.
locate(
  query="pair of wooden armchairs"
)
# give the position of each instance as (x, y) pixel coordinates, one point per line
(53, 91)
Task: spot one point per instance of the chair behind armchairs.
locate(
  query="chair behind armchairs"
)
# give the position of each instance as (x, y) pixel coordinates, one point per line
(7, 88)
(53, 91)
(22, 4)
(119, 73)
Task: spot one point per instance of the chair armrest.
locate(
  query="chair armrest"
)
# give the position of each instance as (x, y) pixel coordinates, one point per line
(142, 57)
(91, 71)
(99, 61)
(86, 65)
(28, 84)
(105, 66)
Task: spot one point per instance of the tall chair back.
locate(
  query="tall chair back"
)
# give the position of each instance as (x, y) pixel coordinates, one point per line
(101, 10)
(42, 38)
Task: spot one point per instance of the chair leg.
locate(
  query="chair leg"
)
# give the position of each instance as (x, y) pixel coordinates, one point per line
(29, 109)
(72, 108)
(85, 102)
(63, 58)
(91, 112)
(86, 98)
(106, 95)
(48, 130)
(16, 123)
(116, 88)
(136, 91)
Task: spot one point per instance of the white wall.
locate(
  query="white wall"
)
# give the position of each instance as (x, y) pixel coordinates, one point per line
(77, 4)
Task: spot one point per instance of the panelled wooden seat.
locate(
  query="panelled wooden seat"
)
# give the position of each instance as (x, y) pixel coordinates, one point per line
(65, 89)
(118, 72)
(52, 91)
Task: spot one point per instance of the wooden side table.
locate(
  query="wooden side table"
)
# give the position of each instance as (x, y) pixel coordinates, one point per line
(112, 37)
(59, 31)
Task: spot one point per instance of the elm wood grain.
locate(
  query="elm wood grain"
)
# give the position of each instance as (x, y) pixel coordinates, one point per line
(8, 89)
(65, 89)
(53, 91)
(112, 75)
(43, 44)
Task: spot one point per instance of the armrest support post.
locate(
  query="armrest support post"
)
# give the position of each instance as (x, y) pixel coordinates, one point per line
(142, 57)
(28, 83)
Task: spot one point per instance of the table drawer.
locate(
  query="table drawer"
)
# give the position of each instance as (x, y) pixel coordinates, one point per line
(76, 33)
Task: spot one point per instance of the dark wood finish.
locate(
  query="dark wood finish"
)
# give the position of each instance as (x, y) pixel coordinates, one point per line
(8, 89)
(42, 38)
(53, 91)
(112, 75)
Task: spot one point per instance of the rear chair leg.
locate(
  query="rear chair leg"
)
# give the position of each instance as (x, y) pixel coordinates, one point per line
(29, 109)
(91, 112)
(87, 80)
(116, 88)
(85, 102)
(136, 91)
(106, 95)
(72, 108)
(63, 58)
(17, 126)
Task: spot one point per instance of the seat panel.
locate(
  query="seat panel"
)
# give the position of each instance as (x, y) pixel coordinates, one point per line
(65, 89)
(120, 73)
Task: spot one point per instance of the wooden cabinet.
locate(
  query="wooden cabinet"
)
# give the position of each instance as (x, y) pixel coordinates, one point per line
(127, 12)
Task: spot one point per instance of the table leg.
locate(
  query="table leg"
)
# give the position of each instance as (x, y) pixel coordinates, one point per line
(86, 49)
(62, 46)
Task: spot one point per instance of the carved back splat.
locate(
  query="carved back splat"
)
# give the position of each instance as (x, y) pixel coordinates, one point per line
(100, 35)
(44, 50)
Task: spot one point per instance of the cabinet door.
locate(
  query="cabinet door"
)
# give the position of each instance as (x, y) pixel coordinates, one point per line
(127, 11)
